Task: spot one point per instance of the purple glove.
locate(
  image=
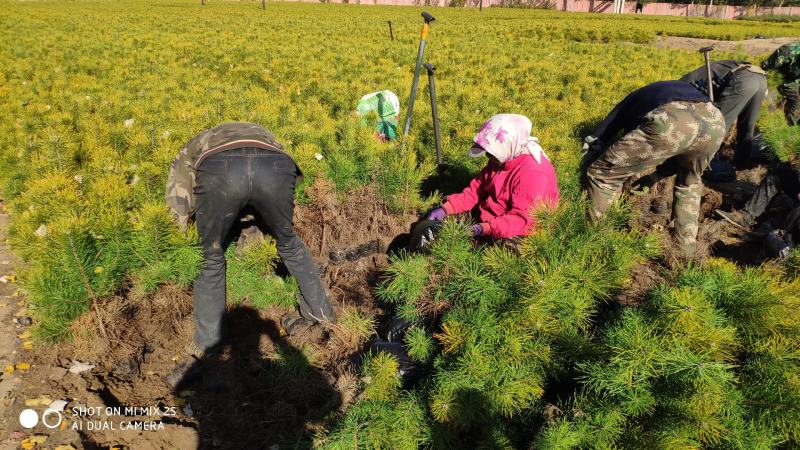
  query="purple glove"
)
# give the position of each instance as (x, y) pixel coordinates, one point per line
(437, 214)
(477, 230)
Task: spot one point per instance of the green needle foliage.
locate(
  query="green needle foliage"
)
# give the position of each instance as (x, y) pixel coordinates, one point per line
(251, 276)
(513, 319)
(160, 252)
(709, 362)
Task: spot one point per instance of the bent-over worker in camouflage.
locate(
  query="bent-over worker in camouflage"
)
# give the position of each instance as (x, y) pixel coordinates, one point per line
(215, 176)
(667, 120)
(786, 60)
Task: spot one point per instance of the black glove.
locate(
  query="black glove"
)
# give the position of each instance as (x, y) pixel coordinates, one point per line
(592, 149)
(592, 144)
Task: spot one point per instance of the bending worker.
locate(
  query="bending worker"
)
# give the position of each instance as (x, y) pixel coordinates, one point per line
(667, 120)
(216, 175)
(786, 60)
(739, 89)
(517, 180)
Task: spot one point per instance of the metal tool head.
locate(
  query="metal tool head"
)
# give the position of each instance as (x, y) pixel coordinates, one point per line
(428, 18)
(430, 68)
(706, 49)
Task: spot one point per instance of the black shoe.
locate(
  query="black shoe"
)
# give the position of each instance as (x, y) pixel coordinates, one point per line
(719, 171)
(293, 323)
(184, 374)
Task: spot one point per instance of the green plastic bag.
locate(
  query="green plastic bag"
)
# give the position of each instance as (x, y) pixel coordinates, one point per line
(387, 106)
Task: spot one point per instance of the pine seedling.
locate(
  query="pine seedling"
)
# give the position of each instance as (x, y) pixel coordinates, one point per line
(406, 279)
(353, 327)
(161, 253)
(558, 436)
(629, 366)
(452, 250)
(87, 268)
(369, 424)
(419, 344)
(380, 377)
(293, 362)
(683, 312)
(251, 276)
(399, 176)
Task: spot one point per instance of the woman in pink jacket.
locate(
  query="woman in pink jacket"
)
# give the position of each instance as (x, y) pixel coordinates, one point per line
(517, 180)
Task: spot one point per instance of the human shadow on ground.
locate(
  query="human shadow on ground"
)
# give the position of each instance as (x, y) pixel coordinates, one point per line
(449, 177)
(246, 399)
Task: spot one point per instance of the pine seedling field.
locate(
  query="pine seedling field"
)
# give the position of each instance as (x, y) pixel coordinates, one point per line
(528, 350)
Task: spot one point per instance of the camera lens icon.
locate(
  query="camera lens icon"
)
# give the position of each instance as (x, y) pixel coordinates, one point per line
(47, 418)
(51, 418)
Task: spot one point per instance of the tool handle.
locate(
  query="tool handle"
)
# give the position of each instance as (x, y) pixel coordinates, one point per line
(430, 68)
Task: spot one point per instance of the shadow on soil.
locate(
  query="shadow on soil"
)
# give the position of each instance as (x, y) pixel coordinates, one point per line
(449, 177)
(246, 400)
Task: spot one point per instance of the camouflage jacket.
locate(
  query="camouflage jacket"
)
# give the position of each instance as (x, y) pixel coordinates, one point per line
(786, 60)
(228, 136)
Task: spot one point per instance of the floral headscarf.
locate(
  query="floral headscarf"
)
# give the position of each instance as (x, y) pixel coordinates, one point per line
(506, 136)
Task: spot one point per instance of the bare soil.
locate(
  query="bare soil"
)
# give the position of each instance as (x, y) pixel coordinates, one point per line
(266, 390)
(752, 47)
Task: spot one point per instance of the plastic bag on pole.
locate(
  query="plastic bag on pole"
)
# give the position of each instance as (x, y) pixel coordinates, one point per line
(387, 107)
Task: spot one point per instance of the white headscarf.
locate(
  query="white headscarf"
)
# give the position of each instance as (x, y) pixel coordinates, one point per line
(506, 136)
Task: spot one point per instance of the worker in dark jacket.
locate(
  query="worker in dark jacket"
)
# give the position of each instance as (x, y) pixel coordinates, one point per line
(739, 89)
(667, 120)
(783, 230)
(786, 60)
(214, 177)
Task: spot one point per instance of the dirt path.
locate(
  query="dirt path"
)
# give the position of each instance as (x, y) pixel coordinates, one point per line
(753, 47)
(11, 351)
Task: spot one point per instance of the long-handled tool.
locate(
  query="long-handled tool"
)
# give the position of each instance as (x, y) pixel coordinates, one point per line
(434, 112)
(705, 51)
(391, 33)
(425, 27)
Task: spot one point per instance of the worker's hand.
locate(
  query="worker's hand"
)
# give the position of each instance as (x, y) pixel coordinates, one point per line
(477, 229)
(437, 214)
(592, 144)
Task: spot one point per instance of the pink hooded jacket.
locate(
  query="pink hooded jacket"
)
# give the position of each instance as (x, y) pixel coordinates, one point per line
(506, 197)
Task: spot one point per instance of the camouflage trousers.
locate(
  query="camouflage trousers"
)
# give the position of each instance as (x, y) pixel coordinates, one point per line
(791, 105)
(687, 133)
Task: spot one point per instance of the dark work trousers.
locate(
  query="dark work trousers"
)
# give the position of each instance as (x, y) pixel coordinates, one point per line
(225, 184)
(741, 99)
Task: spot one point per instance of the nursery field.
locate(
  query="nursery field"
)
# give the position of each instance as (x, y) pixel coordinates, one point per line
(593, 337)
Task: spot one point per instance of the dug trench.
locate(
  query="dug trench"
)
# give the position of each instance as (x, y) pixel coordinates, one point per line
(266, 389)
